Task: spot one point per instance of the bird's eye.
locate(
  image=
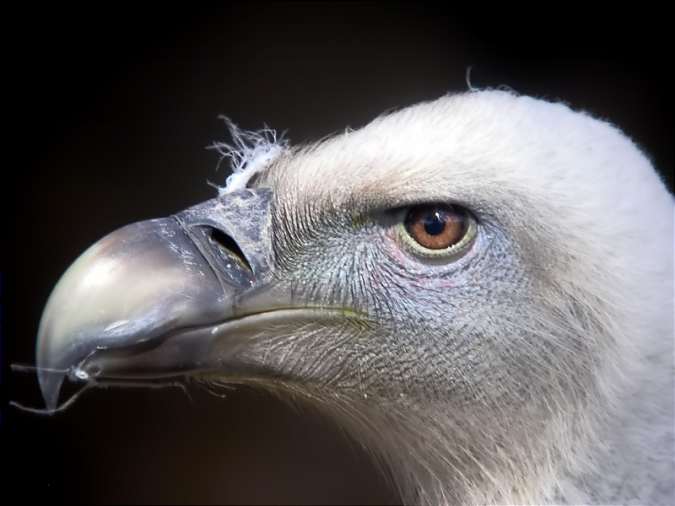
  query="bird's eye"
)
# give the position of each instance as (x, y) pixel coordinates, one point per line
(437, 230)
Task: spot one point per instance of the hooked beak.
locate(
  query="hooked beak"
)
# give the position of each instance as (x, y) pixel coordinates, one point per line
(164, 297)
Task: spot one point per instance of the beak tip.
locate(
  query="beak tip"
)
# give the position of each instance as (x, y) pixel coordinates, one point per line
(50, 386)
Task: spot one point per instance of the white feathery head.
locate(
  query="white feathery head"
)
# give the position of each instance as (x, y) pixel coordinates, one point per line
(590, 224)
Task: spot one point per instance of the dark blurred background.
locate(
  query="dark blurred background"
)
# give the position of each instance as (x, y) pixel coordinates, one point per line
(110, 110)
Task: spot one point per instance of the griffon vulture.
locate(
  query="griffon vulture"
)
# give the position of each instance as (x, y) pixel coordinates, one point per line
(479, 288)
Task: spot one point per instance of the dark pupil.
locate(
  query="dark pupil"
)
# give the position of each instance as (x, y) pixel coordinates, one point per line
(434, 222)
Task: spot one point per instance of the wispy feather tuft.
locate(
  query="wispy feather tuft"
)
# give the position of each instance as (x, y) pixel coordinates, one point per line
(249, 153)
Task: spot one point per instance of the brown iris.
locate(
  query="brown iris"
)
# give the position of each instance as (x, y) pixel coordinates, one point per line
(437, 227)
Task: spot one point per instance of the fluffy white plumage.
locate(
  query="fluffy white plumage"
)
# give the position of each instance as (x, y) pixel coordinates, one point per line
(249, 154)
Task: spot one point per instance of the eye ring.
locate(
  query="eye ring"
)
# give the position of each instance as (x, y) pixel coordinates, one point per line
(437, 231)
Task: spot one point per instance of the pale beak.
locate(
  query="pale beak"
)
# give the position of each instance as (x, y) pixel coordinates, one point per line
(162, 297)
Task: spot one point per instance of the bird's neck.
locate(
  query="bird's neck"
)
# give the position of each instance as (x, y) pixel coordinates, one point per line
(635, 463)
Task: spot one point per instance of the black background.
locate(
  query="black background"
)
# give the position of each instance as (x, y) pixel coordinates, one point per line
(109, 111)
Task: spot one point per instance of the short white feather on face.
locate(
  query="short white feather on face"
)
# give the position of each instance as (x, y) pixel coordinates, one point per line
(502, 372)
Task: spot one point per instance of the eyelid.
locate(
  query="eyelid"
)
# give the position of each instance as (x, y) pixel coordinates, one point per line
(400, 206)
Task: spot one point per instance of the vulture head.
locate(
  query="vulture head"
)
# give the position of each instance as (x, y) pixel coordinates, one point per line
(478, 288)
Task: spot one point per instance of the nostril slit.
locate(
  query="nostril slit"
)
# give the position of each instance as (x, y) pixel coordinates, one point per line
(230, 245)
